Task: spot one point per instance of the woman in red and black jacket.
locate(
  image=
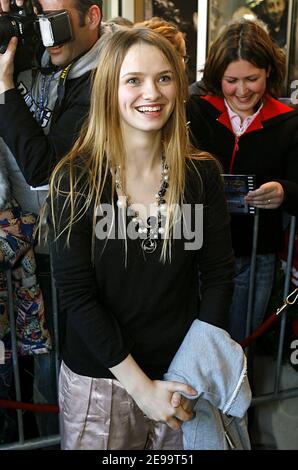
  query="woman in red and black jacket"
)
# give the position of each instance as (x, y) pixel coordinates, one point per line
(242, 123)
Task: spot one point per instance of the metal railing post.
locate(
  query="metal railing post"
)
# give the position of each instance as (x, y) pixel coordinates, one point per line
(253, 265)
(16, 372)
(285, 294)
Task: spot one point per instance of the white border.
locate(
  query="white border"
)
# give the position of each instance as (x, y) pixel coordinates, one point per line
(202, 35)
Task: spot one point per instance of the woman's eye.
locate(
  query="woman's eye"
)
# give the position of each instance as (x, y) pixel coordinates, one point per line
(165, 78)
(252, 79)
(132, 81)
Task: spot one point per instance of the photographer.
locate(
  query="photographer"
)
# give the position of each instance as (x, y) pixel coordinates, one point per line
(35, 153)
(41, 112)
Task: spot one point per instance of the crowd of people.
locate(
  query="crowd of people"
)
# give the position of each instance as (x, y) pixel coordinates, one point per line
(123, 164)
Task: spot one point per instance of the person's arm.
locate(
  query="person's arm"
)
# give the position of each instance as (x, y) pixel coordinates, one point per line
(98, 328)
(7, 67)
(36, 153)
(75, 278)
(216, 259)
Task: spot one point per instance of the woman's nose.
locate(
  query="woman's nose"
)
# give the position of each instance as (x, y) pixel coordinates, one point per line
(242, 88)
(151, 91)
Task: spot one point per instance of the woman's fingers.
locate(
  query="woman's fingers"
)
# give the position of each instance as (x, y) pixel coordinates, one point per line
(180, 387)
(268, 196)
(182, 414)
(176, 399)
(174, 423)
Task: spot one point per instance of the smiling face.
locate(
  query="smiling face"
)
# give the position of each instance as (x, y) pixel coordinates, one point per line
(147, 91)
(243, 86)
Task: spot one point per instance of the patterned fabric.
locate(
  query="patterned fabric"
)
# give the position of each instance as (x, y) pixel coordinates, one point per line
(17, 230)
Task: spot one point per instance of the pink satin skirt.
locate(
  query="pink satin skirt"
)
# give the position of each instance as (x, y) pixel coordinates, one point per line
(98, 414)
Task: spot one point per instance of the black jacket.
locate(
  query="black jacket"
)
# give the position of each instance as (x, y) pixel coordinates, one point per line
(35, 152)
(268, 149)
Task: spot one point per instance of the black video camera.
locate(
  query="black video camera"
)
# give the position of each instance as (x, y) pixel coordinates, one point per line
(50, 28)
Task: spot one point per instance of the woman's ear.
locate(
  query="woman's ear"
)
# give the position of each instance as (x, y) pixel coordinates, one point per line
(93, 17)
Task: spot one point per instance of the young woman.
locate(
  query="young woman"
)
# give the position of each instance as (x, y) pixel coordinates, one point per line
(126, 205)
(241, 122)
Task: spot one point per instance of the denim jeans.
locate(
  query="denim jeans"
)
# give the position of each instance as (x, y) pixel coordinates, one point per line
(264, 278)
(45, 391)
(8, 421)
(6, 376)
(44, 385)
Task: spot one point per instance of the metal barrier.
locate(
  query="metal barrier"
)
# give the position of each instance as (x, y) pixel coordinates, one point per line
(276, 394)
(37, 443)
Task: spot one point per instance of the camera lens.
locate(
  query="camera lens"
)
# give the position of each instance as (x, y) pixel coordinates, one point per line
(8, 29)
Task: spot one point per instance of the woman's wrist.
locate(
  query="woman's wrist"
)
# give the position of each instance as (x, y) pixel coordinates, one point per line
(131, 376)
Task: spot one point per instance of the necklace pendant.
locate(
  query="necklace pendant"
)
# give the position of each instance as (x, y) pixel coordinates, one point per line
(149, 245)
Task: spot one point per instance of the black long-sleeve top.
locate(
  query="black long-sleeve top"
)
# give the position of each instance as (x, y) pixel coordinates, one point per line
(143, 307)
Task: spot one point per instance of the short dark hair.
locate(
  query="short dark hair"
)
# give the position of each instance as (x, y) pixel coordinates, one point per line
(247, 40)
(83, 6)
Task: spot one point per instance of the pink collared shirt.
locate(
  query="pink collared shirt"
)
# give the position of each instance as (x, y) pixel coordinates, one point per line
(239, 127)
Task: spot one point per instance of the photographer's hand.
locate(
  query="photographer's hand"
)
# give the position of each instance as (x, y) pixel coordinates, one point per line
(7, 66)
(5, 5)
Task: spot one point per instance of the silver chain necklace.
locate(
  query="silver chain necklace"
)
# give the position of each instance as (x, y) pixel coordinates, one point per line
(153, 230)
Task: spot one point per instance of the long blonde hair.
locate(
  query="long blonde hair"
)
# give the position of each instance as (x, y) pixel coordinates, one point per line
(100, 145)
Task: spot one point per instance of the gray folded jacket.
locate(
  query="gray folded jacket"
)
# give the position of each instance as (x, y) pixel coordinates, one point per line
(215, 366)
